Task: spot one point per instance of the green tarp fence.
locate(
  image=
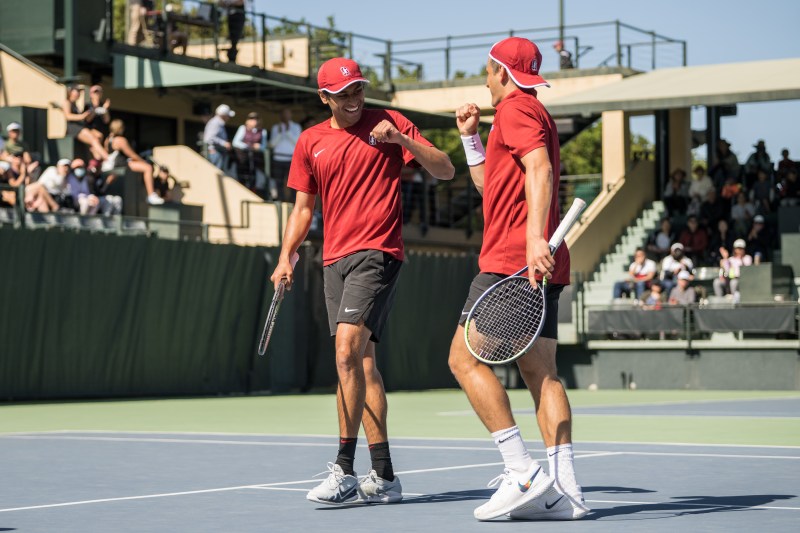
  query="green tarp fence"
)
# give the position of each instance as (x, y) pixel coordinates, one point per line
(91, 315)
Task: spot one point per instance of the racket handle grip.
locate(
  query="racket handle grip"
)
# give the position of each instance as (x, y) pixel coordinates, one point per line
(569, 219)
(295, 258)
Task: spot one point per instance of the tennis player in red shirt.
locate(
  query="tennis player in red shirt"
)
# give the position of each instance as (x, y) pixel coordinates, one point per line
(353, 162)
(517, 174)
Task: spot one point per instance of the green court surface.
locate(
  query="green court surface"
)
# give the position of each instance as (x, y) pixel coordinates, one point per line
(600, 416)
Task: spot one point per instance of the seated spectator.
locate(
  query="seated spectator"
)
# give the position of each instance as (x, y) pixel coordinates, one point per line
(757, 161)
(676, 192)
(725, 165)
(564, 56)
(698, 190)
(788, 191)
(762, 194)
(121, 148)
(672, 265)
(81, 187)
(76, 123)
(659, 243)
(694, 239)
(730, 269)
(654, 298)
(759, 240)
(99, 113)
(250, 147)
(682, 293)
(713, 209)
(742, 214)
(640, 273)
(722, 237)
(54, 180)
(785, 164)
(17, 153)
(731, 189)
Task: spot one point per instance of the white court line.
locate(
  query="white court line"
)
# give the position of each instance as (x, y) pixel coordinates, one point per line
(222, 489)
(436, 439)
(643, 404)
(44, 434)
(233, 442)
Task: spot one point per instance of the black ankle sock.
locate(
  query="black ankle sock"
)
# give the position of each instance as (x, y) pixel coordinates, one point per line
(346, 455)
(381, 460)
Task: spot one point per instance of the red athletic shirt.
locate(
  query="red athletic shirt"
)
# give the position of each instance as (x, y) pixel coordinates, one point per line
(521, 124)
(358, 180)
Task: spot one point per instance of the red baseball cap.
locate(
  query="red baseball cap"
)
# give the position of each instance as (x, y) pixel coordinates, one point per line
(339, 73)
(521, 59)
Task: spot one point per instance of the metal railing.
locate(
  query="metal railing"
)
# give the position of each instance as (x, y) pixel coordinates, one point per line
(444, 58)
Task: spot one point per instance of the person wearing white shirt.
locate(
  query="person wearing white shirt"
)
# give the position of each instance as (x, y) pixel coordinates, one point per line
(640, 273)
(282, 140)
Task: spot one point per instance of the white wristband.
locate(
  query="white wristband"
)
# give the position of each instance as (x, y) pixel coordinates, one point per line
(473, 146)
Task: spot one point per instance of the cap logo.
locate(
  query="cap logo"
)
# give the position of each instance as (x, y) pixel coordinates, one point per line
(345, 71)
(534, 66)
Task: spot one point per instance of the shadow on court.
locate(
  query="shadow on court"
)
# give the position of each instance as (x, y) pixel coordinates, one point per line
(442, 497)
(690, 505)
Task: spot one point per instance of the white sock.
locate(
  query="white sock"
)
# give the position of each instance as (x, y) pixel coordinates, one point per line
(560, 459)
(512, 448)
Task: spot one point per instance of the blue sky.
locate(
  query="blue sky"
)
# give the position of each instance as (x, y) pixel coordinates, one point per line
(717, 31)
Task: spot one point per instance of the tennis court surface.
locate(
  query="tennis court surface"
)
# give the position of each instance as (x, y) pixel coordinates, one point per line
(647, 460)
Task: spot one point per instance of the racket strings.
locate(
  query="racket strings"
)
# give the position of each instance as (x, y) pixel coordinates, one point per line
(506, 320)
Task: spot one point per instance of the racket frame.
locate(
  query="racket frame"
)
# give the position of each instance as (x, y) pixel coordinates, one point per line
(274, 306)
(578, 205)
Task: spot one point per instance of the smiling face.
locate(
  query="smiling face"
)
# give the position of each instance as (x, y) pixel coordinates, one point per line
(347, 105)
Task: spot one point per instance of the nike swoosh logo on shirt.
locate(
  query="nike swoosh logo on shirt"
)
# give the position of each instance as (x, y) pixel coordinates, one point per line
(550, 505)
(348, 310)
(316, 154)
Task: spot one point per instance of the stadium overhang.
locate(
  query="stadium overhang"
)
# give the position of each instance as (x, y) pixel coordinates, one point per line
(670, 88)
(138, 72)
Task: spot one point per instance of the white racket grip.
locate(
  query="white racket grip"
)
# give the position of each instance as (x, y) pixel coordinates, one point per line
(578, 205)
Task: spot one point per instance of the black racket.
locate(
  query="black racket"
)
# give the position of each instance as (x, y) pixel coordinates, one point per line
(507, 318)
(277, 298)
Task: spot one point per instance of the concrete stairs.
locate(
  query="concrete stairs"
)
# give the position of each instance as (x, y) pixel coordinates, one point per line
(600, 289)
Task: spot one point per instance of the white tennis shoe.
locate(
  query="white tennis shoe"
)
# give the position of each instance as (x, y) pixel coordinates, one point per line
(552, 505)
(515, 490)
(338, 488)
(374, 489)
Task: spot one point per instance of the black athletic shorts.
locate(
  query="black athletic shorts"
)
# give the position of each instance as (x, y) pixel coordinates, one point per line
(360, 287)
(484, 280)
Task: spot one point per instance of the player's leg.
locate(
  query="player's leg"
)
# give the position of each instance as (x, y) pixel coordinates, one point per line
(380, 485)
(341, 484)
(538, 370)
(523, 478)
(374, 279)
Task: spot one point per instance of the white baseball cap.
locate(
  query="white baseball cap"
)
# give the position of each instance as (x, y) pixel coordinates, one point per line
(64, 161)
(225, 109)
(13, 126)
(683, 274)
(739, 243)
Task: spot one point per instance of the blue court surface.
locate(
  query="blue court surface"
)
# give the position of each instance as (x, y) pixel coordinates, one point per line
(171, 482)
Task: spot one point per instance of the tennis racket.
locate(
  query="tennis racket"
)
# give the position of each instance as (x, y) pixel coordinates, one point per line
(277, 298)
(507, 318)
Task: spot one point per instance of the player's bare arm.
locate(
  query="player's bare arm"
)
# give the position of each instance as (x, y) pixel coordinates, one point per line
(296, 230)
(436, 162)
(467, 119)
(538, 194)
